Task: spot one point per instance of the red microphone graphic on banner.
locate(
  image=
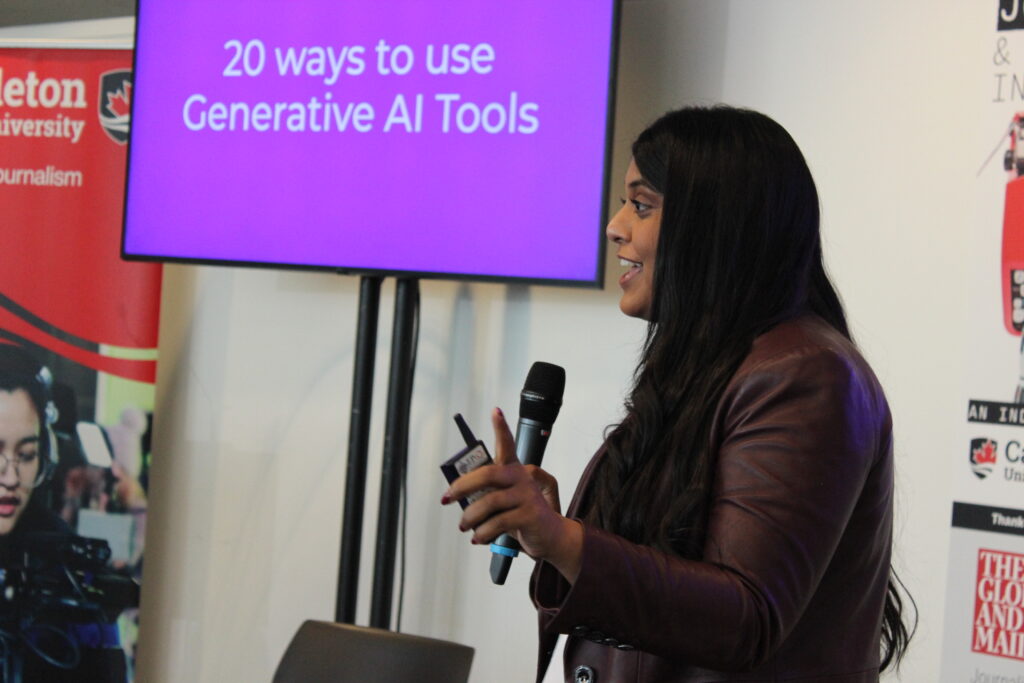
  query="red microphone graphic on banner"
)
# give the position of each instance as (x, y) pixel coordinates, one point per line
(78, 338)
(1012, 270)
(1013, 231)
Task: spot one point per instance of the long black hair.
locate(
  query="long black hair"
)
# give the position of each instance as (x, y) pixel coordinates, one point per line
(738, 252)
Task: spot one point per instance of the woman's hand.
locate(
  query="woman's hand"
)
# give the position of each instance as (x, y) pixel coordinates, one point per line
(523, 502)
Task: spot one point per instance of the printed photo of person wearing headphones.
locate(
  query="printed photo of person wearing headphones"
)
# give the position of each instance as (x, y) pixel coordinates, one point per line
(59, 604)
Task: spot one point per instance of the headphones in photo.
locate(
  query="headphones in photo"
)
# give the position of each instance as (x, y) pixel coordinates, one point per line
(48, 439)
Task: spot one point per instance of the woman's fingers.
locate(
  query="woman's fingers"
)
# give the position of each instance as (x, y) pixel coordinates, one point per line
(488, 476)
(504, 444)
(490, 505)
(505, 511)
(495, 526)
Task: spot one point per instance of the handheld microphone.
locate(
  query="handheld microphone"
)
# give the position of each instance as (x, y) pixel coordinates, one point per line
(539, 403)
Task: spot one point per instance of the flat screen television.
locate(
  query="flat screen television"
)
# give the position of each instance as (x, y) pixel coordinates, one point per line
(442, 138)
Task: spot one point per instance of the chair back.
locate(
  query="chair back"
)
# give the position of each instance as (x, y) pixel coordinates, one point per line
(327, 652)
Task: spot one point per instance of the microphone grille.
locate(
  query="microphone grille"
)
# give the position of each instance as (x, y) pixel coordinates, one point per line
(542, 393)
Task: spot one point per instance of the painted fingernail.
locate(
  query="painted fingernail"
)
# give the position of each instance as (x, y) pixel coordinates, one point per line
(445, 499)
(462, 527)
(474, 541)
(500, 414)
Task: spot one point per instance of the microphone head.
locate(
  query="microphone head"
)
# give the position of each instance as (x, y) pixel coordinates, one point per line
(541, 397)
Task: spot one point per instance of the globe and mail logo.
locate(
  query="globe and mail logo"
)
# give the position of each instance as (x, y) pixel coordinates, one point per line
(983, 456)
(115, 104)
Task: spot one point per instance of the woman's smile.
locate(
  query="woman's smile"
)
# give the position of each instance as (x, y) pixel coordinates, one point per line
(634, 270)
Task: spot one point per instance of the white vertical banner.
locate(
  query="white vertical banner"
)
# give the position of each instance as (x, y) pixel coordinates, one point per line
(984, 608)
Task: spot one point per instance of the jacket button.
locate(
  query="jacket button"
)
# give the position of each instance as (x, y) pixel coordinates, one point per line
(584, 674)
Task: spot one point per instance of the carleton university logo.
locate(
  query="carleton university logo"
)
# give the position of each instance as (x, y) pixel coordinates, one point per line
(983, 457)
(115, 104)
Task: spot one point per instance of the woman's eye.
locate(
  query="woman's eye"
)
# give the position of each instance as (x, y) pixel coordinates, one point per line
(27, 458)
(640, 206)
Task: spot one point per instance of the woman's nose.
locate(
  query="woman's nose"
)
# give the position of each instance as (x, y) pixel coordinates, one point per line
(618, 227)
(9, 475)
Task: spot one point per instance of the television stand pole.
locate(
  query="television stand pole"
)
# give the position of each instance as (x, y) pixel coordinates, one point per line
(396, 447)
(396, 440)
(358, 444)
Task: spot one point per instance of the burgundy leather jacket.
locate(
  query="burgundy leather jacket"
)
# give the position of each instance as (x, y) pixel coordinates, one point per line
(793, 580)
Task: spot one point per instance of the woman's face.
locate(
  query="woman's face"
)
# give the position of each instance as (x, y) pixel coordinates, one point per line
(19, 445)
(634, 229)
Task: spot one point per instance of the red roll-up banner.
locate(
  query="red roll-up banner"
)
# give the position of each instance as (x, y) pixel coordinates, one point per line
(72, 522)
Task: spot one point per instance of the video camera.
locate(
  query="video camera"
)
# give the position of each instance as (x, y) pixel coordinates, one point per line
(53, 587)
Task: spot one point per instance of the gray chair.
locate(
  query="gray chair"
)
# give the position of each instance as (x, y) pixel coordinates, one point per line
(326, 652)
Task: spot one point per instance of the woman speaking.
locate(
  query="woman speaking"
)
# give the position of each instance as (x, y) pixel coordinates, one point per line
(737, 524)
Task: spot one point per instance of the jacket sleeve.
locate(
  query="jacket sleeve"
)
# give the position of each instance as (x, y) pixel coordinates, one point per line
(798, 435)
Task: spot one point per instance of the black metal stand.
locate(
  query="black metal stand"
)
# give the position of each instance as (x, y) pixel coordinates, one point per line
(358, 444)
(396, 443)
(396, 440)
